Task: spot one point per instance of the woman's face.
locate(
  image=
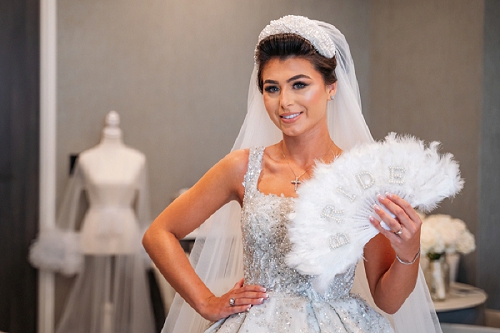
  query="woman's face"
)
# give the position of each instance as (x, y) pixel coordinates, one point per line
(295, 95)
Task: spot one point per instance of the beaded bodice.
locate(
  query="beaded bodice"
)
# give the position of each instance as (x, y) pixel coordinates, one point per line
(265, 240)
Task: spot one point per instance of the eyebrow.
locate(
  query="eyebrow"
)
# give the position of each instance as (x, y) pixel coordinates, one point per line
(293, 78)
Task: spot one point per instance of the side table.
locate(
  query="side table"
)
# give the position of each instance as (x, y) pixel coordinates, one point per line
(464, 305)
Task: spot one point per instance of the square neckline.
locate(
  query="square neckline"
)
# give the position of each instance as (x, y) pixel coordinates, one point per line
(257, 189)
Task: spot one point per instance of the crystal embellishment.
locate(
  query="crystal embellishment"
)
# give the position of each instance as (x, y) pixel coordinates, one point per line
(397, 175)
(332, 214)
(338, 240)
(351, 197)
(303, 27)
(365, 179)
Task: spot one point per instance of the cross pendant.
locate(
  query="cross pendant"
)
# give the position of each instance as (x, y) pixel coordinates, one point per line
(296, 183)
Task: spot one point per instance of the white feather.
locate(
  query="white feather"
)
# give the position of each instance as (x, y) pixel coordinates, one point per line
(420, 175)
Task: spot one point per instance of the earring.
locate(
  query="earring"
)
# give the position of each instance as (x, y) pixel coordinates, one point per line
(332, 97)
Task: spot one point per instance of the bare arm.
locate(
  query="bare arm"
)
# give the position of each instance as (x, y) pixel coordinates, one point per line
(390, 281)
(221, 184)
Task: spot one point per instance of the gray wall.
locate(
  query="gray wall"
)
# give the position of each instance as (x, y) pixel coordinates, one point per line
(488, 265)
(426, 80)
(435, 73)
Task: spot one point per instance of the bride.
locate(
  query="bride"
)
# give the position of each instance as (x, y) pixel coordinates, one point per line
(238, 280)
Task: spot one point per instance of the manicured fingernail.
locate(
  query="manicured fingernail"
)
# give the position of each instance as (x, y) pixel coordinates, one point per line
(387, 194)
(376, 207)
(267, 296)
(371, 218)
(380, 197)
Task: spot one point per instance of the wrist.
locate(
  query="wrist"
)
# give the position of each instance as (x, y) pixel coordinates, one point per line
(202, 305)
(411, 262)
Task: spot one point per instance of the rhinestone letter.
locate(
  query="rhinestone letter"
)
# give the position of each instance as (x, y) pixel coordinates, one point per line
(365, 179)
(396, 175)
(338, 240)
(351, 197)
(331, 214)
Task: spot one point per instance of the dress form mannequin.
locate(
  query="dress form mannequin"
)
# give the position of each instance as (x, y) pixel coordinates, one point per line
(111, 293)
(110, 170)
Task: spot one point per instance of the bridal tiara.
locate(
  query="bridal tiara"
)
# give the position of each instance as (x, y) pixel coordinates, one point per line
(303, 27)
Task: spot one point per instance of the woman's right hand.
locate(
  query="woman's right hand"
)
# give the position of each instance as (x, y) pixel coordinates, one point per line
(216, 308)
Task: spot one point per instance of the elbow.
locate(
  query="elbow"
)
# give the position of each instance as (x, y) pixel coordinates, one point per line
(154, 236)
(146, 239)
(390, 308)
(391, 305)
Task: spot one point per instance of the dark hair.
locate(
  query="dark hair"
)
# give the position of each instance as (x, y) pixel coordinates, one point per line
(287, 45)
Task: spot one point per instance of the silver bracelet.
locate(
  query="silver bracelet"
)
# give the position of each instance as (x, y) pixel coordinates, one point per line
(410, 262)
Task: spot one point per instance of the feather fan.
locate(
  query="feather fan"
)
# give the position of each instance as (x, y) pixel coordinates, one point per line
(330, 226)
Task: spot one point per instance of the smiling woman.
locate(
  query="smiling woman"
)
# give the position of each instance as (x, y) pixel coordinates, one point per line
(241, 280)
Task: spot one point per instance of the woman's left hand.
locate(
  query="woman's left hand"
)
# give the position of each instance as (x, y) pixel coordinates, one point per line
(405, 225)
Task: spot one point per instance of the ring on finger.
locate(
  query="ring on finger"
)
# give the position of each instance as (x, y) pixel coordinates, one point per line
(231, 301)
(399, 232)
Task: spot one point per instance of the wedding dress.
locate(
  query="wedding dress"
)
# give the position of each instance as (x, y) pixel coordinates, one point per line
(293, 306)
(110, 293)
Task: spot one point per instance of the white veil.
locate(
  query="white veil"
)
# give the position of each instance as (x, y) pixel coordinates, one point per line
(217, 254)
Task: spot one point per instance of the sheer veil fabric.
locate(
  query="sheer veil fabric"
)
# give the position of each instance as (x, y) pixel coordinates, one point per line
(111, 293)
(217, 254)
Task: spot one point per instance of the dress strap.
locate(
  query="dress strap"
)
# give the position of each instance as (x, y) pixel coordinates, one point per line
(254, 168)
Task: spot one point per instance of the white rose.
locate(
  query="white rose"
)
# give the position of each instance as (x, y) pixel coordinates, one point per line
(441, 232)
(439, 246)
(466, 243)
(430, 239)
(459, 225)
(449, 232)
(427, 239)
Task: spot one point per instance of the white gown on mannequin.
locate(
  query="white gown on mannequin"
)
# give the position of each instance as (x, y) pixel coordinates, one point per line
(110, 294)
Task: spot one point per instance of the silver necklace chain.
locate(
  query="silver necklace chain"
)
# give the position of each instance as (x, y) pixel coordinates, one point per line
(296, 182)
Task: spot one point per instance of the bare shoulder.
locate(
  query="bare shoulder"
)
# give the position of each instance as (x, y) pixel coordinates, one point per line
(227, 175)
(235, 163)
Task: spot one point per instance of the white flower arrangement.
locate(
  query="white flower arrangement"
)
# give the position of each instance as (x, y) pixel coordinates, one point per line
(444, 234)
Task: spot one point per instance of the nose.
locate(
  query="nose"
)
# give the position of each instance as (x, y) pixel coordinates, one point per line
(286, 98)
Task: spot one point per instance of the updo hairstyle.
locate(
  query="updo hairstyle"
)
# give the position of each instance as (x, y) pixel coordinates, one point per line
(288, 45)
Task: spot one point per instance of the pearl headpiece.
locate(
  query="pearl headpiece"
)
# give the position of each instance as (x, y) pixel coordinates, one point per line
(303, 27)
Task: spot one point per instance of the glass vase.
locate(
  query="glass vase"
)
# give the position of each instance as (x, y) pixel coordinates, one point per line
(437, 276)
(453, 260)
